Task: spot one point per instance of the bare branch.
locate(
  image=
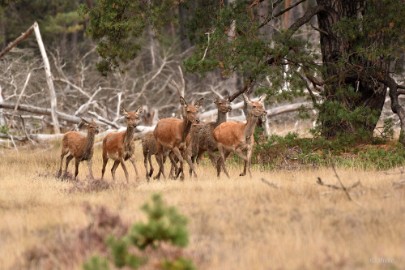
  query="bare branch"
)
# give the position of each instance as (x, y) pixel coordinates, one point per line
(22, 37)
(270, 17)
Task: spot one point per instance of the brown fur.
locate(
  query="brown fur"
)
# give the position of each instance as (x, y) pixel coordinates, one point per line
(201, 139)
(119, 146)
(238, 137)
(149, 149)
(79, 147)
(171, 133)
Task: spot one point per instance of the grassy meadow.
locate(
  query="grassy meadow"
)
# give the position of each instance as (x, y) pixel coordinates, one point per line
(276, 220)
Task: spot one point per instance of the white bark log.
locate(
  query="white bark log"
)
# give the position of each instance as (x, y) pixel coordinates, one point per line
(2, 121)
(49, 79)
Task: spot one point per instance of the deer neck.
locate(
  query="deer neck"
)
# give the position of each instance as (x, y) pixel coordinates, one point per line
(88, 149)
(186, 126)
(221, 117)
(129, 136)
(250, 126)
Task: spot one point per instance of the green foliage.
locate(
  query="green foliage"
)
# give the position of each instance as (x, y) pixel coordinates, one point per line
(344, 151)
(118, 27)
(4, 129)
(337, 119)
(178, 264)
(55, 18)
(388, 129)
(164, 224)
(96, 263)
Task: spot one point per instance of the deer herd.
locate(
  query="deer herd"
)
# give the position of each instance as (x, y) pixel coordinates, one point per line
(179, 140)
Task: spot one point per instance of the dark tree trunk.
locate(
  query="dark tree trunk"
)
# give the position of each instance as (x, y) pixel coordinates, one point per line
(345, 83)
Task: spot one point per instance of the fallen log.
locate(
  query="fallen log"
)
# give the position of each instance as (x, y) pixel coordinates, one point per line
(45, 111)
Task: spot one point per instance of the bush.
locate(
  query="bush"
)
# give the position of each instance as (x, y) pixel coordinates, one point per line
(344, 151)
(164, 226)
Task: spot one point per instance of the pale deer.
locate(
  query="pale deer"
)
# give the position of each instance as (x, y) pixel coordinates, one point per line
(201, 137)
(79, 146)
(119, 146)
(237, 136)
(171, 134)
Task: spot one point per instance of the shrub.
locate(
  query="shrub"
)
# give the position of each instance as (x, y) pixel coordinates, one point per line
(164, 226)
(344, 151)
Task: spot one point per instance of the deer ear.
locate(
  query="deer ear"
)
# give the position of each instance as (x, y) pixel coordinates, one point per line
(124, 112)
(246, 98)
(183, 101)
(139, 110)
(199, 102)
(226, 95)
(262, 98)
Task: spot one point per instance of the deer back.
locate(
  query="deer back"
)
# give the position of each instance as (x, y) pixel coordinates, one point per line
(149, 144)
(75, 142)
(169, 132)
(230, 133)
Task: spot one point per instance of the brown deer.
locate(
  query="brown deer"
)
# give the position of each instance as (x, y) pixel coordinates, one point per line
(201, 137)
(236, 136)
(149, 149)
(171, 134)
(79, 146)
(119, 146)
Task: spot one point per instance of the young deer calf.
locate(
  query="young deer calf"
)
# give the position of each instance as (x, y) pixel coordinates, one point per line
(119, 146)
(171, 134)
(79, 147)
(149, 149)
(237, 137)
(202, 139)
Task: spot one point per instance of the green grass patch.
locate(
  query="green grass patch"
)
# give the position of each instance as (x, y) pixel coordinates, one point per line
(281, 152)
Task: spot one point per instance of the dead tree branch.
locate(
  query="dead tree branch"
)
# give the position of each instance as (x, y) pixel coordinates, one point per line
(14, 43)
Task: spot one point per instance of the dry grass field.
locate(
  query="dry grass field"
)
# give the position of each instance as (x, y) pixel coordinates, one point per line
(285, 222)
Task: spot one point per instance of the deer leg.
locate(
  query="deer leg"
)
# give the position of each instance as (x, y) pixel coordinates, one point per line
(239, 152)
(61, 162)
(177, 152)
(173, 166)
(125, 170)
(89, 164)
(249, 158)
(159, 158)
(150, 165)
(145, 164)
(191, 164)
(77, 161)
(114, 168)
(68, 159)
(221, 161)
(105, 160)
(226, 155)
(133, 164)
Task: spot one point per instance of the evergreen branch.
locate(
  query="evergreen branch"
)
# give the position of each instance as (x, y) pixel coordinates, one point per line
(269, 18)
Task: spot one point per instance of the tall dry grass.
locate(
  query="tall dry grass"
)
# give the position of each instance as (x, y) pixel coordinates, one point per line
(237, 223)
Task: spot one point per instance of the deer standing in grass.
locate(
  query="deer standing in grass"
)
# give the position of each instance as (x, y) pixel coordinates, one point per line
(79, 146)
(202, 139)
(237, 136)
(171, 134)
(149, 149)
(119, 146)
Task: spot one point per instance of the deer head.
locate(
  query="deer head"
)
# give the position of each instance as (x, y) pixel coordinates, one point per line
(91, 126)
(256, 108)
(223, 104)
(190, 111)
(133, 118)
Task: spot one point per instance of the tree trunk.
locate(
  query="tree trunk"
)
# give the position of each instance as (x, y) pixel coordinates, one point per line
(49, 79)
(346, 89)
